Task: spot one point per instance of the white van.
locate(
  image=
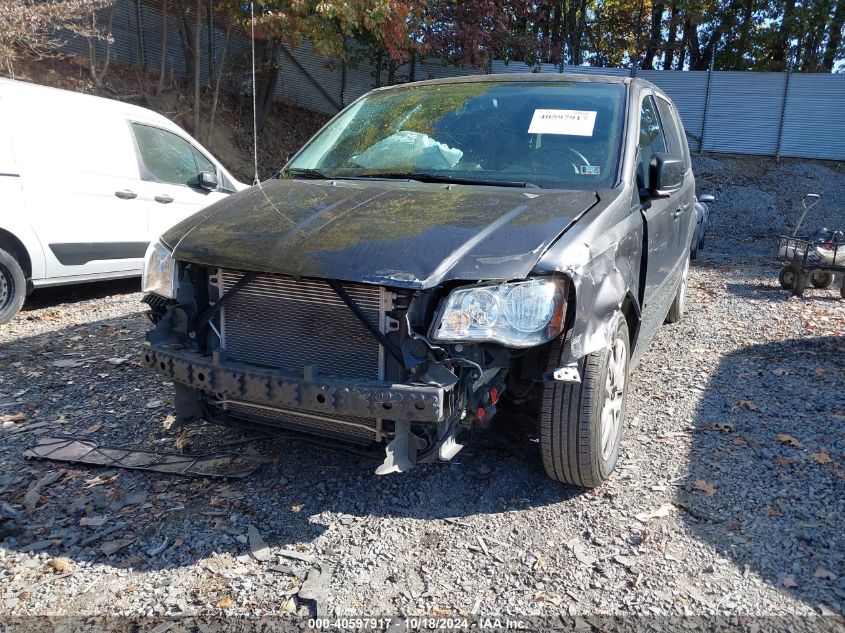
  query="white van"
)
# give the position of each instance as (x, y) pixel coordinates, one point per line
(86, 184)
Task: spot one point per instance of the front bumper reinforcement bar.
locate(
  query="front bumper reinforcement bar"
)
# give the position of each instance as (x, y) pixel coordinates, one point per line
(318, 394)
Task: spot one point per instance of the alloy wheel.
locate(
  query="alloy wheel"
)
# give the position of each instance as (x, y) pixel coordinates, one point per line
(614, 398)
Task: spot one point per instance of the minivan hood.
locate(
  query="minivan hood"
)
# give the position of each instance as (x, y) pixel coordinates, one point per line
(394, 233)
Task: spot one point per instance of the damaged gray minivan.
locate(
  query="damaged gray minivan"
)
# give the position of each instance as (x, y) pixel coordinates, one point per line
(435, 250)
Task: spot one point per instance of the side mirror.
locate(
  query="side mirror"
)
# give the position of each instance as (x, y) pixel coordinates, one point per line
(706, 198)
(665, 174)
(207, 180)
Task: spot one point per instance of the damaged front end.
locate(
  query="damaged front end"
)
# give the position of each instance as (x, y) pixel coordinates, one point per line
(409, 372)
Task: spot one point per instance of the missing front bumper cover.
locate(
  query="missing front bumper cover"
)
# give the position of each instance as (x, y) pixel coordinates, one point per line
(311, 393)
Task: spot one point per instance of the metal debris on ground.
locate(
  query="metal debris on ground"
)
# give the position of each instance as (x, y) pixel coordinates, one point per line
(69, 449)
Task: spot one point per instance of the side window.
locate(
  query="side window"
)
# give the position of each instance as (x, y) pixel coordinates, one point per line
(651, 137)
(168, 157)
(674, 136)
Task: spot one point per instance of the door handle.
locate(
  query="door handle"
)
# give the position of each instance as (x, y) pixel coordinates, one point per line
(164, 199)
(126, 194)
(678, 212)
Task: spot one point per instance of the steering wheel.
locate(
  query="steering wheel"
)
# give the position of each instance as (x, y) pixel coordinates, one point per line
(575, 158)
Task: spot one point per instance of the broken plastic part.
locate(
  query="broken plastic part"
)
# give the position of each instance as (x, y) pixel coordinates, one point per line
(401, 453)
(569, 373)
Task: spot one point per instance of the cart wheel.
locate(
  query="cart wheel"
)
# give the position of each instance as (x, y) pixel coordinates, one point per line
(786, 278)
(799, 284)
(821, 280)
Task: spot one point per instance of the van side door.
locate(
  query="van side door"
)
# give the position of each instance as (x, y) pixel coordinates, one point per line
(79, 183)
(661, 233)
(170, 167)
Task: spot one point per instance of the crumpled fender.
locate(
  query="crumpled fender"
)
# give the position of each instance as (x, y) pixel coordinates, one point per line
(603, 267)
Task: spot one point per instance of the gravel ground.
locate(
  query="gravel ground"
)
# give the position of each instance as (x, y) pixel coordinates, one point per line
(728, 498)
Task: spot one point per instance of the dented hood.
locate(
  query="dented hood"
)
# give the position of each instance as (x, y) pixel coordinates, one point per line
(414, 235)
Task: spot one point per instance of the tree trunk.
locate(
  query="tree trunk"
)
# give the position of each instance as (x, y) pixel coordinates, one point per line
(669, 53)
(656, 34)
(783, 51)
(691, 38)
(163, 67)
(744, 41)
(197, 66)
(186, 38)
(834, 37)
(266, 78)
(221, 69)
(99, 76)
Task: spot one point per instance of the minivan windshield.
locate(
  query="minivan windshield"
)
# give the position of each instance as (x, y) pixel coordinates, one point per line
(526, 134)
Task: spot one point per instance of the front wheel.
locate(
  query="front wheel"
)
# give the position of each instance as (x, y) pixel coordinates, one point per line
(786, 278)
(12, 287)
(581, 423)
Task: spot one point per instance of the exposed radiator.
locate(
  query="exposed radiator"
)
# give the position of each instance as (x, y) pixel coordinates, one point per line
(281, 322)
(347, 428)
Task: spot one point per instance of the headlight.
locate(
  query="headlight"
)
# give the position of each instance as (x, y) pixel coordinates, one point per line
(159, 275)
(516, 314)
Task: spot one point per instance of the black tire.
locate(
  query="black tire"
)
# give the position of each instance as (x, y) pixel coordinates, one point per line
(786, 278)
(679, 303)
(821, 280)
(12, 287)
(571, 415)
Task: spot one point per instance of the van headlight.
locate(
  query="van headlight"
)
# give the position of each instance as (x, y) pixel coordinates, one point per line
(517, 314)
(159, 275)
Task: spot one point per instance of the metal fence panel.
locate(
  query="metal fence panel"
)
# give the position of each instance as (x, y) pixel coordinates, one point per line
(814, 121)
(744, 112)
(688, 90)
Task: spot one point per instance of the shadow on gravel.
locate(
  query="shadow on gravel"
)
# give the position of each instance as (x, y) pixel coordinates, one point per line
(56, 295)
(117, 517)
(766, 483)
(773, 292)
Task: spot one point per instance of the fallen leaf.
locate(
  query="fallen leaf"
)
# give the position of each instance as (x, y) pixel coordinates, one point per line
(113, 547)
(183, 441)
(93, 428)
(722, 427)
(773, 511)
(747, 404)
(740, 441)
(225, 603)
(789, 582)
(15, 417)
(820, 371)
(288, 606)
(59, 565)
(824, 574)
(821, 457)
(703, 486)
(786, 438)
(153, 404)
(780, 460)
(92, 521)
(780, 371)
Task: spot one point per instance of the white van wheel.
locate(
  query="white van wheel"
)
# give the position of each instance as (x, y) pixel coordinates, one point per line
(12, 287)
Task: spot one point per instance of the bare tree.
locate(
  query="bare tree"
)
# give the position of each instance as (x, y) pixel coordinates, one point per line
(163, 67)
(197, 62)
(221, 69)
(34, 26)
(94, 35)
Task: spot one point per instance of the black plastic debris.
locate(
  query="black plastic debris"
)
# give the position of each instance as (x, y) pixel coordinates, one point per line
(69, 449)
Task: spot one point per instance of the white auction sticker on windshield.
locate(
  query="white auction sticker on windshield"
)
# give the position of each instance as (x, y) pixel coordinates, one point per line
(572, 122)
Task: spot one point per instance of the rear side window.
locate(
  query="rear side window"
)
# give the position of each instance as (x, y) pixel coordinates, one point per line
(167, 157)
(675, 138)
(652, 139)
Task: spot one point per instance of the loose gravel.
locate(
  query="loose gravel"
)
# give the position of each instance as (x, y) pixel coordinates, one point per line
(728, 498)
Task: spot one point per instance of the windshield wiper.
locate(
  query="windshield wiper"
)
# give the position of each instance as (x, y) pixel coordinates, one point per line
(302, 172)
(464, 180)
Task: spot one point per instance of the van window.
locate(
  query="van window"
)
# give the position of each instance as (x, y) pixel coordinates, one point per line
(675, 139)
(652, 139)
(167, 157)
